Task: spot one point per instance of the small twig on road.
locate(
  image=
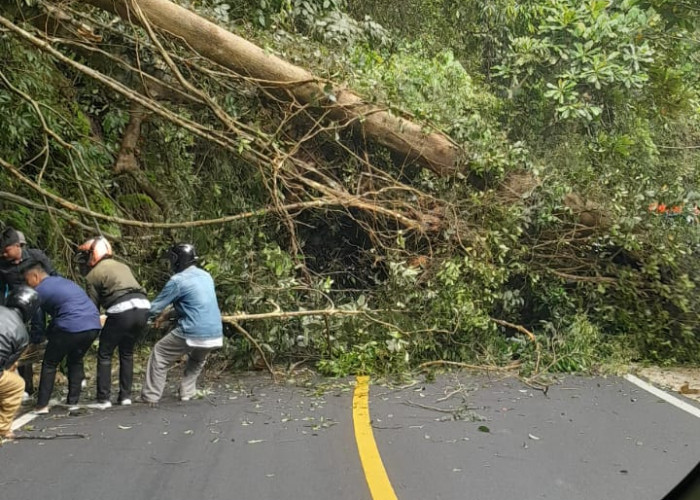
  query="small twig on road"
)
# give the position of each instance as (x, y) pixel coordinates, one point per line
(258, 412)
(179, 462)
(217, 422)
(209, 400)
(459, 390)
(52, 436)
(433, 408)
(398, 389)
(294, 366)
(538, 386)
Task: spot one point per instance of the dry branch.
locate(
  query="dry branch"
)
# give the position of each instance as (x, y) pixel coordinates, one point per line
(252, 340)
(519, 328)
(157, 225)
(233, 318)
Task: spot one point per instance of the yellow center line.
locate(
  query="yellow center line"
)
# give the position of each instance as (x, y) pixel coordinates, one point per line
(379, 486)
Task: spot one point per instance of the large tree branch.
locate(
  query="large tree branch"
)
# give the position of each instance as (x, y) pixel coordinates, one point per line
(432, 150)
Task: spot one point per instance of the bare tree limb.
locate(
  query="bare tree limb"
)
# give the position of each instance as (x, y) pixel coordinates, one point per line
(158, 225)
(252, 340)
(38, 206)
(487, 368)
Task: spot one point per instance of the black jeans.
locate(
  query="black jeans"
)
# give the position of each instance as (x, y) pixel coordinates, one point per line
(72, 346)
(121, 330)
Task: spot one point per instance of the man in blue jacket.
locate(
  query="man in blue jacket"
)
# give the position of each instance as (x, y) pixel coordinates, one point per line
(191, 292)
(75, 324)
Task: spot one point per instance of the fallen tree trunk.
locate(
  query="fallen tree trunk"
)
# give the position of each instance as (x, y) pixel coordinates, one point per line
(407, 139)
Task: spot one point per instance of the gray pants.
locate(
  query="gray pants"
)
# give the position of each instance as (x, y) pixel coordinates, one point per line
(164, 355)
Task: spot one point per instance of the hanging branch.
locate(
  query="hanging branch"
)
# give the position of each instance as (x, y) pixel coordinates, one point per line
(48, 132)
(37, 206)
(530, 335)
(252, 340)
(250, 155)
(158, 225)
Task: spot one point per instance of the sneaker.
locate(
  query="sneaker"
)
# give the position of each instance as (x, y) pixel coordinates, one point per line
(41, 411)
(103, 405)
(185, 398)
(125, 402)
(83, 384)
(26, 397)
(73, 408)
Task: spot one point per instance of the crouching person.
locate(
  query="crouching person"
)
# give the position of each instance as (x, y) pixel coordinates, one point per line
(112, 286)
(75, 323)
(20, 305)
(191, 292)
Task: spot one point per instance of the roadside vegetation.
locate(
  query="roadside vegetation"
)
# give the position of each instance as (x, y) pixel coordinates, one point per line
(565, 238)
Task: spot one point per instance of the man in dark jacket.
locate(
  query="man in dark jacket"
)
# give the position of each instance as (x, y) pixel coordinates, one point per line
(75, 323)
(14, 255)
(112, 286)
(19, 307)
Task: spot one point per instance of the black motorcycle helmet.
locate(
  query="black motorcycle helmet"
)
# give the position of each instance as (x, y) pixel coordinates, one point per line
(182, 256)
(25, 299)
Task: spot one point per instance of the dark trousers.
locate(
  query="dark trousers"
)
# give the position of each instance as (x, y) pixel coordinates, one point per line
(72, 346)
(121, 330)
(27, 373)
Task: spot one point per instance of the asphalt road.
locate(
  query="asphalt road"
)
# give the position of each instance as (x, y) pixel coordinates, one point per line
(455, 438)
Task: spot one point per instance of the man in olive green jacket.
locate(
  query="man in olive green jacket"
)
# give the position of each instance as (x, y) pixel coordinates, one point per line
(111, 285)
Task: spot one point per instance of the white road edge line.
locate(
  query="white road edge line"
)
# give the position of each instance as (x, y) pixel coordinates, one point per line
(663, 395)
(23, 420)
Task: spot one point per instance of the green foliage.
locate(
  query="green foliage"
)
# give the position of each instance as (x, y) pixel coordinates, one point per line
(548, 98)
(579, 55)
(576, 349)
